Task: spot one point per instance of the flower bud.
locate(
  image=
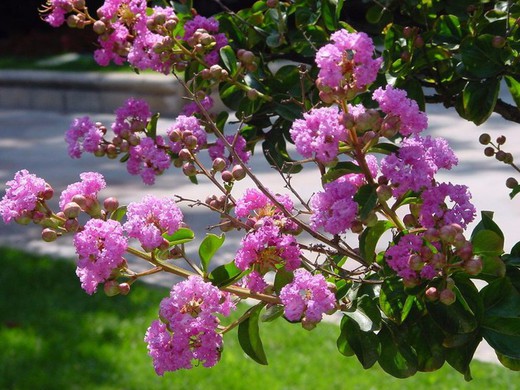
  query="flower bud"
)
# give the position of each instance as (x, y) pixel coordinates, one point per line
(191, 142)
(111, 204)
(227, 176)
(415, 262)
(409, 220)
(473, 266)
(511, 183)
(484, 139)
(219, 164)
(71, 225)
(49, 235)
(71, 210)
(447, 297)
(489, 151)
(238, 172)
(99, 27)
(431, 294)
(498, 42)
(124, 288)
(189, 169)
(185, 155)
(252, 94)
(111, 288)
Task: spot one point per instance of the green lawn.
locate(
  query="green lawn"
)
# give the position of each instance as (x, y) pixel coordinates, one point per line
(54, 336)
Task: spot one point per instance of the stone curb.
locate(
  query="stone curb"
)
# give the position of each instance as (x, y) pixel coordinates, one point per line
(93, 92)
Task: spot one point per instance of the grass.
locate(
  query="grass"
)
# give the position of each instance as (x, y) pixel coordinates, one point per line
(54, 336)
(71, 62)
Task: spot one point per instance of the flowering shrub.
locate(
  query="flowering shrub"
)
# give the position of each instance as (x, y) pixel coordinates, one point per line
(406, 293)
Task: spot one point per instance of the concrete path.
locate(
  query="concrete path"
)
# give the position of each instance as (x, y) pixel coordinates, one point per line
(34, 140)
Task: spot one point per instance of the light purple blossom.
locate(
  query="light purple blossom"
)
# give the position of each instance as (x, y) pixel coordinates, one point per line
(415, 165)
(211, 26)
(347, 63)
(187, 330)
(131, 117)
(192, 108)
(148, 159)
(398, 256)
(266, 248)
(89, 186)
(395, 103)
(307, 298)
(334, 209)
(100, 247)
(149, 219)
(218, 150)
(187, 126)
(318, 134)
(22, 195)
(113, 45)
(83, 135)
(446, 204)
(57, 9)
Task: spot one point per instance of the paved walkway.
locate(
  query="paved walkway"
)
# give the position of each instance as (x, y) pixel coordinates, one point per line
(34, 140)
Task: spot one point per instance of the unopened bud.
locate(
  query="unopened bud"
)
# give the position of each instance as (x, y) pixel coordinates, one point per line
(49, 235)
(484, 139)
(252, 94)
(511, 183)
(473, 266)
(189, 169)
(111, 288)
(489, 151)
(227, 176)
(498, 42)
(71, 225)
(219, 164)
(124, 288)
(431, 294)
(111, 204)
(447, 297)
(99, 27)
(238, 172)
(71, 210)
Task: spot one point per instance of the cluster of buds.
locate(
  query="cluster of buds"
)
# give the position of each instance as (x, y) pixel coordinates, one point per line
(494, 149)
(201, 41)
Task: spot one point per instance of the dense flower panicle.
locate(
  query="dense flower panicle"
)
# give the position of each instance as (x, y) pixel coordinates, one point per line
(398, 257)
(187, 330)
(256, 205)
(307, 297)
(150, 218)
(211, 26)
(255, 282)
(100, 247)
(417, 162)
(132, 116)
(265, 248)
(57, 9)
(359, 179)
(192, 108)
(334, 209)
(395, 103)
(437, 210)
(148, 159)
(110, 8)
(83, 135)
(113, 46)
(192, 126)
(89, 186)
(318, 134)
(218, 150)
(22, 195)
(347, 62)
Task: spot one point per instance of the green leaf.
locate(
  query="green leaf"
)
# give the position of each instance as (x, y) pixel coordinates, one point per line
(454, 318)
(509, 362)
(426, 338)
(397, 356)
(181, 236)
(118, 214)
(513, 84)
(340, 169)
(231, 95)
(460, 358)
(384, 148)
(225, 274)
(488, 243)
(504, 344)
(479, 99)
(366, 314)
(364, 344)
(151, 128)
(328, 13)
(392, 299)
(480, 58)
(370, 237)
(208, 247)
(249, 335)
(272, 313)
(514, 191)
(487, 223)
(366, 197)
(229, 59)
(282, 278)
(342, 342)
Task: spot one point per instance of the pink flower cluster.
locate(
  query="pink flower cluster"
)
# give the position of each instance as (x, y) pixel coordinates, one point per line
(318, 135)
(83, 135)
(56, 11)
(209, 25)
(187, 329)
(100, 247)
(346, 65)
(22, 196)
(131, 117)
(265, 249)
(149, 159)
(149, 219)
(307, 298)
(88, 188)
(187, 132)
(219, 150)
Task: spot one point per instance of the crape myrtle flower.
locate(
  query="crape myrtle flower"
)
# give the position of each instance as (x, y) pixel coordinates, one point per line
(334, 209)
(219, 150)
(56, 10)
(265, 249)
(307, 298)
(113, 45)
(445, 204)
(192, 108)
(346, 63)
(186, 132)
(418, 160)
(402, 113)
(148, 159)
(100, 247)
(132, 117)
(22, 196)
(256, 206)
(187, 329)
(87, 189)
(83, 135)
(318, 134)
(211, 26)
(149, 219)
